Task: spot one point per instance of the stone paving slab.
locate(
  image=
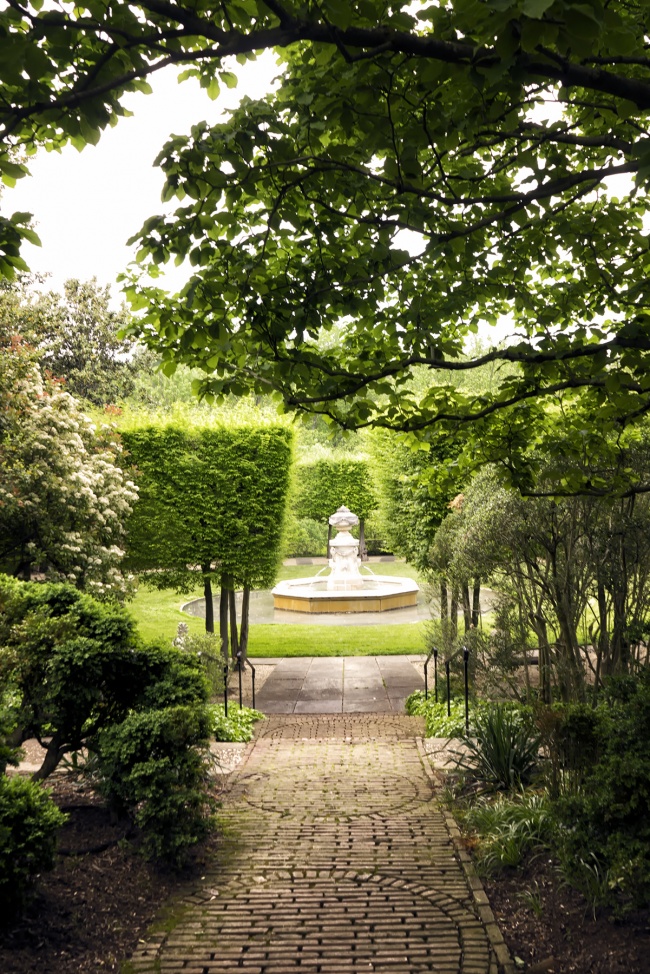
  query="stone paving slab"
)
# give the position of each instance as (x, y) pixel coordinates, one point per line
(312, 685)
(335, 858)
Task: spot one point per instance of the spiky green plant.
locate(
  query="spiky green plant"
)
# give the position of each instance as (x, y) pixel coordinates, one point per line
(502, 747)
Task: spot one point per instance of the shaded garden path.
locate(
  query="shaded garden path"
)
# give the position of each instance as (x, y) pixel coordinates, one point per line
(335, 858)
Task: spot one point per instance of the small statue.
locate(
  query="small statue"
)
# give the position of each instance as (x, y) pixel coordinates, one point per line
(181, 635)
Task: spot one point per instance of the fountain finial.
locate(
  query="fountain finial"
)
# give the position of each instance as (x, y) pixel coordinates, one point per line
(343, 519)
(344, 550)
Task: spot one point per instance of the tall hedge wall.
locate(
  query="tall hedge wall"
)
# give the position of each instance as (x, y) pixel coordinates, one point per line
(322, 487)
(213, 497)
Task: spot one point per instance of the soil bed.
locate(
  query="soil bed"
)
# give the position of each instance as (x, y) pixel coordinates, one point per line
(89, 912)
(552, 930)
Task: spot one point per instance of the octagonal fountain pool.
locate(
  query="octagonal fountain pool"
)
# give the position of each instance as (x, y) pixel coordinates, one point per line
(349, 586)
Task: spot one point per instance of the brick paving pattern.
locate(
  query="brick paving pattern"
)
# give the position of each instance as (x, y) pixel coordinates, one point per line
(335, 858)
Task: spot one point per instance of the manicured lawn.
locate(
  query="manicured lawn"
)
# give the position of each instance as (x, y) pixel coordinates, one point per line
(379, 568)
(306, 640)
(158, 614)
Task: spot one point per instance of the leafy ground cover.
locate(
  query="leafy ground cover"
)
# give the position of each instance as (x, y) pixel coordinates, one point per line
(238, 726)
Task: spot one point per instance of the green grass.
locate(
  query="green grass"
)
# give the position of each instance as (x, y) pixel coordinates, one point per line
(158, 613)
(306, 640)
(287, 572)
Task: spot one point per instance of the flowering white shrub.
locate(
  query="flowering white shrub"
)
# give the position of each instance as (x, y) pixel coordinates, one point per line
(63, 498)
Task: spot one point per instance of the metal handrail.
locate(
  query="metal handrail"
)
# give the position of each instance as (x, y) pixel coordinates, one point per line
(240, 662)
(245, 661)
(434, 653)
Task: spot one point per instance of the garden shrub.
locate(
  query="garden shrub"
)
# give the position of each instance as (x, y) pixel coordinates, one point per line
(502, 746)
(206, 648)
(73, 665)
(571, 735)
(29, 821)
(172, 677)
(154, 768)
(305, 537)
(72, 662)
(605, 827)
(237, 726)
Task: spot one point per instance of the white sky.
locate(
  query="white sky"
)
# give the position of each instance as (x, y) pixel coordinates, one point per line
(87, 204)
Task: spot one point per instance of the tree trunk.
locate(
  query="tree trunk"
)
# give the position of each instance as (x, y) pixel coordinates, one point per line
(619, 649)
(444, 600)
(209, 606)
(223, 618)
(544, 653)
(363, 551)
(476, 602)
(51, 760)
(467, 611)
(602, 650)
(234, 636)
(453, 610)
(245, 612)
(569, 666)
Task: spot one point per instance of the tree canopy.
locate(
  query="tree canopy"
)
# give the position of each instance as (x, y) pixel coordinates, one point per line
(421, 170)
(75, 336)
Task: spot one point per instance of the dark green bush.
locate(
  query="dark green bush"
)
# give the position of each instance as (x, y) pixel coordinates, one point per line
(502, 747)
(605, 826)
(305, 537)
(171, 677)
(154, 768)
(76, 665)
(29, 821)
(72, 662)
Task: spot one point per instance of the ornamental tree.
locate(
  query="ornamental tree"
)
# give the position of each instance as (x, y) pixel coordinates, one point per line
(571, 571)
(419, 172)
(63, 498)
(211, 509)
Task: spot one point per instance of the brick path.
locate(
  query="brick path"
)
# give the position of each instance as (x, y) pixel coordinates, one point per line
(335, 859)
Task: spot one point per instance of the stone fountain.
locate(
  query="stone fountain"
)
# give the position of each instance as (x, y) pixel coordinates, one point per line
(345, 589)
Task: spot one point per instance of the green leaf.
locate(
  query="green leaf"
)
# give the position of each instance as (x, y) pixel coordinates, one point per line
(536, 8)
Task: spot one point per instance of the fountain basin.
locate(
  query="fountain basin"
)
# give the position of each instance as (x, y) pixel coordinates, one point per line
(377, 593)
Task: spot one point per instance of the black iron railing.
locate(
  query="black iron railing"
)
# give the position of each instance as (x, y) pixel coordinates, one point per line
(434, 653)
